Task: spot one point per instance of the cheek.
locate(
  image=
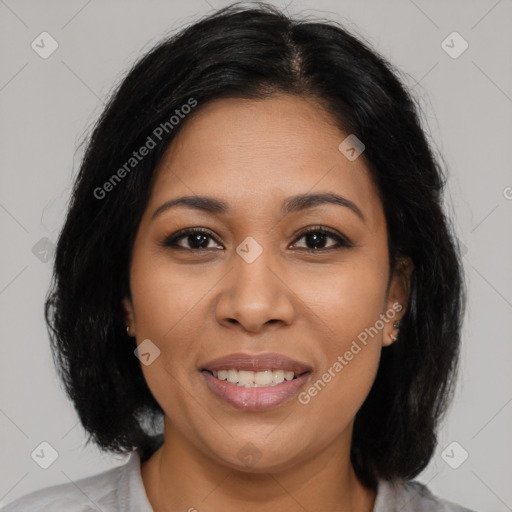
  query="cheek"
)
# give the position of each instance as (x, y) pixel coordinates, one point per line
(166, 296)
(166, 301)
(348, 298)
(167, 304)
(350, 360)
(349, 303)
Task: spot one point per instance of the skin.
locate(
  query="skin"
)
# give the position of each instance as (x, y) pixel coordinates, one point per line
(197, 306)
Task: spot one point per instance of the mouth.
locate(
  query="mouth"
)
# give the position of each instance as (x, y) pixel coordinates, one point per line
(255, 382)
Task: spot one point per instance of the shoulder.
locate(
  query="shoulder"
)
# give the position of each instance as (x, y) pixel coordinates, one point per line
(412, 496)
(104, 491)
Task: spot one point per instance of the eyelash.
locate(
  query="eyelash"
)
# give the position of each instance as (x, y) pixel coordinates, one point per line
(171, 241)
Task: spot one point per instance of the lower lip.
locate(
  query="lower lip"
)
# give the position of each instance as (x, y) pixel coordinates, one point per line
(254, 399)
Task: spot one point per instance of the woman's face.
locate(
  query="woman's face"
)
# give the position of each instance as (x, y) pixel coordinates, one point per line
(254, 285)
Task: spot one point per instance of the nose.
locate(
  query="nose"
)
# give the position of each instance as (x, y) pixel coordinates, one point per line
(255, 294)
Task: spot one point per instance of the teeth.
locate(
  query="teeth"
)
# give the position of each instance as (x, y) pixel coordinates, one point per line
(263, 378)
(245, 378)
(250, 379)
(232, 376)
(277, 376)
(288, 375)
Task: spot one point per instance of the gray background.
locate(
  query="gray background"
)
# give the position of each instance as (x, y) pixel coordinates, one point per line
(48, 105)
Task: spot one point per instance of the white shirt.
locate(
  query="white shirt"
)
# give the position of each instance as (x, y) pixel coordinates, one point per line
(121, 489)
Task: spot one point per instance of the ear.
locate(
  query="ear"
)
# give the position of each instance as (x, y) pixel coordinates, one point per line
(129, 315)
(398, 296)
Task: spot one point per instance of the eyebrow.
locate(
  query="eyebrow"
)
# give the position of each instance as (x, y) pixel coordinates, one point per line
(290, 205)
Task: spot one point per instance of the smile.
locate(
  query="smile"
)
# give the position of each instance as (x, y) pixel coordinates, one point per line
(250, 379)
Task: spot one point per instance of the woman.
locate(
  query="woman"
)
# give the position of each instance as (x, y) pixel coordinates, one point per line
(256, 255)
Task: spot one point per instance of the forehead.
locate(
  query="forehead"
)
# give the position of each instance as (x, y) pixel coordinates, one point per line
(254, 153)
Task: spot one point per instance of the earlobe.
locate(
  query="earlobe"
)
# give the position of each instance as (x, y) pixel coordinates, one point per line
(394, 336)
(129, 315)
(398, 296)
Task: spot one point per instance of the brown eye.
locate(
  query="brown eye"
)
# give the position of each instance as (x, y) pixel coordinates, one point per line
(197, 239)
(316, 238)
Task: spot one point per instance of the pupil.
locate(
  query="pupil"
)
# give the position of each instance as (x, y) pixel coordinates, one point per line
(195, 238)
(316, 238)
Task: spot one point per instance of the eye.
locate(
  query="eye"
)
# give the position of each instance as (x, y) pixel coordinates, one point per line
(198, 239)
(317, 237)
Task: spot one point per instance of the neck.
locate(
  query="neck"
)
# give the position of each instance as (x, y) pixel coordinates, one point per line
(179, 476)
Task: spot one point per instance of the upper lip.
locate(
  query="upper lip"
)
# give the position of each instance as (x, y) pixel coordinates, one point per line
(257, 362)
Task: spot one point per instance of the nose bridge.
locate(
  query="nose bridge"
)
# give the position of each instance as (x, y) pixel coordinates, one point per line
(254, 293)
(252, 262)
